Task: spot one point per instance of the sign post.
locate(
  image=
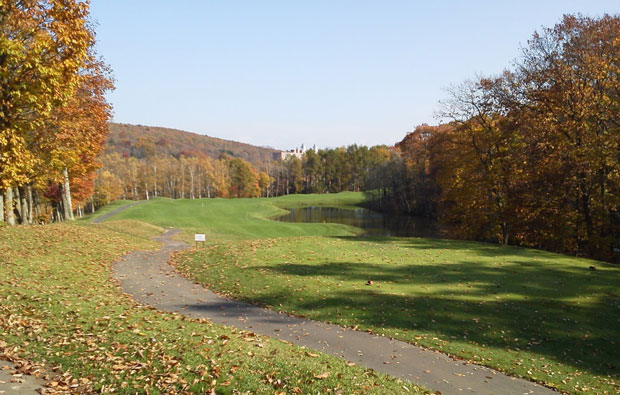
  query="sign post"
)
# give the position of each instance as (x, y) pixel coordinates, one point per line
(199, 238)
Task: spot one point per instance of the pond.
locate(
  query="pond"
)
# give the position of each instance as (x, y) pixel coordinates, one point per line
(374, 223)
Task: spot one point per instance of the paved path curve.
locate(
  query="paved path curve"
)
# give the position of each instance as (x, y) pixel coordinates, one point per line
(112, 213)
(12, 382)
(150, 280)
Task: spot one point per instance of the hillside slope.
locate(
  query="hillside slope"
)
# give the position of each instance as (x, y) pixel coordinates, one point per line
(140, 141)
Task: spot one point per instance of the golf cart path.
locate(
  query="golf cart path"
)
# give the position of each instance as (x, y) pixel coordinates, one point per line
(112, 213)
(149, 279)
(13, 382)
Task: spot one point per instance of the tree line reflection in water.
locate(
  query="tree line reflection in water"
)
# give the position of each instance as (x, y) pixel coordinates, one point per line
(373, 223)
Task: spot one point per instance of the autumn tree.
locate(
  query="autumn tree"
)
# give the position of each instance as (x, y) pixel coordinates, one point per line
(531, 156)
(243, 179)
(107, 188)
(75, 133)
(570, 85)
(479, 160)
(264, 183)
(420, 187)
(45, 48)
(313, 169)
(294, 175)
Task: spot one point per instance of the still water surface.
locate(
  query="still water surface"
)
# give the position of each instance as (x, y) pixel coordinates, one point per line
(373, 223)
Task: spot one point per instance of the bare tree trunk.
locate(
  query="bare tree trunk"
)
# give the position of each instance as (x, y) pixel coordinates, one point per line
(146, 189)
(182, 181)
(36, 205)
(173, 188)
(10, 215)
(23, 203)
(30, 203)
(58, 214)
(199, 183)
(155, 181)
(66, 192)
(18, 206)
(1, 207)
(191, 176)
(92, 205)
(63, 203)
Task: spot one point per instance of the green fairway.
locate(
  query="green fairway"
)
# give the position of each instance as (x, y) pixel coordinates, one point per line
(236, 219)
(530, 313)
(60, 309)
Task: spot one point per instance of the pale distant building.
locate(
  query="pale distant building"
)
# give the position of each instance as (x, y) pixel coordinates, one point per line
(297, 152)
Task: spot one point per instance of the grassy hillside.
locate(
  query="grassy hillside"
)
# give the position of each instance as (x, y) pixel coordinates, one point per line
(59, 309)
(138, 140)
(530, 313)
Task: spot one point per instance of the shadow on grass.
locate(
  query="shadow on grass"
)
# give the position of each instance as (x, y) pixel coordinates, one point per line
(475, 248)
(563, 312)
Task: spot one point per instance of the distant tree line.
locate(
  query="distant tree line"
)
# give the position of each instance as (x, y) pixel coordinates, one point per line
(193, 177)
(200, 176)
(329, 170)
(529, 157)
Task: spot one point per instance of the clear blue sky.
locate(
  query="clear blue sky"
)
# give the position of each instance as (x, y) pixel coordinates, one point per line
(330, 73)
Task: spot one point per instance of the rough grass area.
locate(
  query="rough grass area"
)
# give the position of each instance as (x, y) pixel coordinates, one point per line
(237, 219)
(60, 309)
(539, 315)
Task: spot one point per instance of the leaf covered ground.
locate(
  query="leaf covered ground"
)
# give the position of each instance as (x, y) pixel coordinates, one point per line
(61, 317)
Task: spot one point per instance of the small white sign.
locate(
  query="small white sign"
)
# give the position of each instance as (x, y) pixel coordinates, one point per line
(199, 237)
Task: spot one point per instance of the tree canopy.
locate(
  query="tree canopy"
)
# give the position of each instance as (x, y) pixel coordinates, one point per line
(52, 106)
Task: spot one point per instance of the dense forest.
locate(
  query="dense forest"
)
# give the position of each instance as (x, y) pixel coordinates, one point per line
(530, 156)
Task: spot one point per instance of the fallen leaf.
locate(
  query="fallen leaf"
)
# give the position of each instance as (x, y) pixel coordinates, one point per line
(322, 376)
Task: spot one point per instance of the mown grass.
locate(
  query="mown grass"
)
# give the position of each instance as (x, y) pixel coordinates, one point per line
(538, 315)
(60, 309)
(239, 219)
(530, 313)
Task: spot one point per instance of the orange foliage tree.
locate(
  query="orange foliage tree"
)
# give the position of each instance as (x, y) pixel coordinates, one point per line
(47, 73)
(531, 156)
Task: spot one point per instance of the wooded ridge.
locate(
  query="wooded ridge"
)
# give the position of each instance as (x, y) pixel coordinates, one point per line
(141, 141)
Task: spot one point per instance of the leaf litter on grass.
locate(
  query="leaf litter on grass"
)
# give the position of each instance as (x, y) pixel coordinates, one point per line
(60, 314)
